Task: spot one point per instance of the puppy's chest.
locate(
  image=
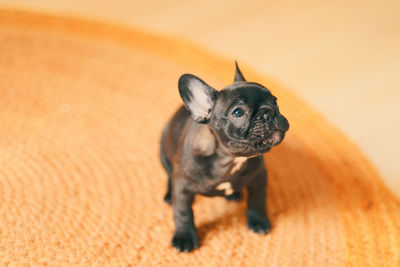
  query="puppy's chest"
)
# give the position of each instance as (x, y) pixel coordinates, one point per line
(223, 177)
(230, 167)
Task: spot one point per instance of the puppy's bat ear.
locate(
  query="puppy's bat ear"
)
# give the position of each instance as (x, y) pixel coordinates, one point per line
(238, 74)
(198, 97)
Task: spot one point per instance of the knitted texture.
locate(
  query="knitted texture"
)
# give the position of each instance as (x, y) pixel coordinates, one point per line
(82, 106)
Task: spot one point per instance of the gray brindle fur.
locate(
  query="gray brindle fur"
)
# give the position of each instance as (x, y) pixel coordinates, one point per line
(214, 146)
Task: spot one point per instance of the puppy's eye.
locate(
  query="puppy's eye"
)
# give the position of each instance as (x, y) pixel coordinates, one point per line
(238, 112)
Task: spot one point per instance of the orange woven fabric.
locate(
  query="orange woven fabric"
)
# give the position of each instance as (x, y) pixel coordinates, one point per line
(82, 105)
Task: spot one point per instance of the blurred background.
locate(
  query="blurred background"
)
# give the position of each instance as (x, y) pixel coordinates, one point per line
(342, 57)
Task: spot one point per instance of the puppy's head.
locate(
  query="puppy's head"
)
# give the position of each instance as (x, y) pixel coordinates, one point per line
(244, 116)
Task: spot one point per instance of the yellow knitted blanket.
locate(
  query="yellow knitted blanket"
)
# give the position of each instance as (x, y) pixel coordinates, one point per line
(82, 105)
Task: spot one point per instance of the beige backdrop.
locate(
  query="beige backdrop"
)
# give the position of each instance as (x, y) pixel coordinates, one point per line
(342, 57)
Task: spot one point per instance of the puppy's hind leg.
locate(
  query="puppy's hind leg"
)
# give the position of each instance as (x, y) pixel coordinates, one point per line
(167, 197)
(168, 167)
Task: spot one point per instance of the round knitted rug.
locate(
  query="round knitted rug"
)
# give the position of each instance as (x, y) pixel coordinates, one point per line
(82, 105)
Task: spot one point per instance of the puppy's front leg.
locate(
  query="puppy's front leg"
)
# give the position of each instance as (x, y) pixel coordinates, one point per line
(257, 218)
(185, 236)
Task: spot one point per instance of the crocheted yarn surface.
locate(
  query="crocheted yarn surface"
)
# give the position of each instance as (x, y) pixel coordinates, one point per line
(82, 105)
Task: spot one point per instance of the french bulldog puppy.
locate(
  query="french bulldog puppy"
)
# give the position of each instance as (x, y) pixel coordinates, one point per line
(214, 146)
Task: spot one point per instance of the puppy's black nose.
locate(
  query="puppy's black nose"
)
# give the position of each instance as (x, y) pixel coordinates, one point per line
(266, 114)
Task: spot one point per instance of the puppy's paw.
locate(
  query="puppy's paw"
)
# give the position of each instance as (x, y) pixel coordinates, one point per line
(258, 224)
(185, 241)
(236, 196)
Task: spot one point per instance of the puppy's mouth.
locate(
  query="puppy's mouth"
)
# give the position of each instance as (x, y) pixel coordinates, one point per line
(264, 143)
(259, 140)
(266, 133)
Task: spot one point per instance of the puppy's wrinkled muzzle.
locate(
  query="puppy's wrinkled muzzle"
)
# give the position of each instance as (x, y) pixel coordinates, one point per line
(268, 129)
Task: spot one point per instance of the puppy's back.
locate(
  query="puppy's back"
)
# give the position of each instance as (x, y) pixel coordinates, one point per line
(173, 131)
